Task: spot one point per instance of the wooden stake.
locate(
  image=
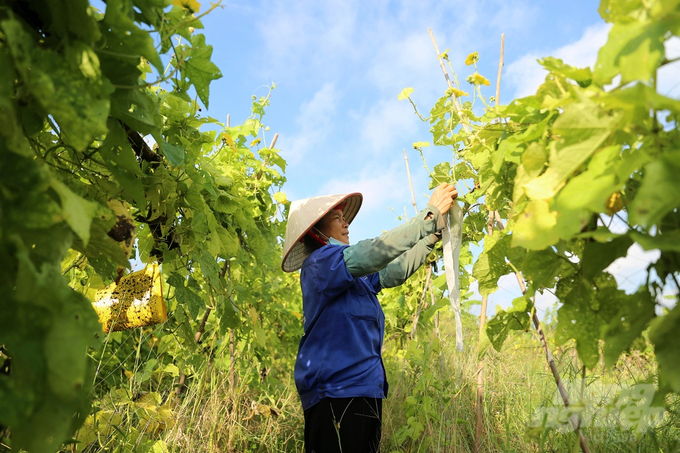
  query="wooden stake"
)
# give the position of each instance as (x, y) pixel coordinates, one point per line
(228, 116)
(231, 361)
(448, 80)
(500, 69)
(408, 172)
(429, 268)
(271, 145)
(493, 218)
(421, 303)
(553, 367)
(479, 408)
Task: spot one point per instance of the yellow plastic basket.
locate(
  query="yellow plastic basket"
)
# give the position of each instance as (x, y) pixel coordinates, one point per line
(136, 301)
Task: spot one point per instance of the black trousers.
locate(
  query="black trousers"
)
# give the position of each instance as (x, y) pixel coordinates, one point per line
(347, 425)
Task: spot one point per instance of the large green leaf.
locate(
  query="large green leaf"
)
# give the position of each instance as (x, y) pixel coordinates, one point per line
(632, 316)
(664, 334)
(199, 69)
(634, 49)
(490, 266)
(535, 226)
(516, 317)
(77, 211)
(78, 100)
(597, 255)
(659, 192)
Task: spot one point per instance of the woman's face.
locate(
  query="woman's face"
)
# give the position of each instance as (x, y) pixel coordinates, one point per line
(334, 226)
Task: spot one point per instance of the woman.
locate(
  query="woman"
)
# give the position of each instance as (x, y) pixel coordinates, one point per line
(339, 372)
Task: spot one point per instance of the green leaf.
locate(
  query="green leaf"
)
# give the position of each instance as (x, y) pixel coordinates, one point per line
(535, 227)
(48, 328)
(229, 316)
(667, 240)
(199, 69)
(405, 93)
(126, 41)
(565, 160)
(541, 267)
(505, 321)
(634, 49)
(78, 212)
(209, 268)
(78, 102)
(102, 252)
(174, 154)
(633, 314)
(490, 265)
(68, 20)
(664, 334)
(659, 192)
(121, 162)
(138, 109)
(420, 145)
(185, 295)
(598, 256)
(583, 76)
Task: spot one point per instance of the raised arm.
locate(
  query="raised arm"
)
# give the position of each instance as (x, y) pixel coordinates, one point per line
(372, 255)
(399, 270)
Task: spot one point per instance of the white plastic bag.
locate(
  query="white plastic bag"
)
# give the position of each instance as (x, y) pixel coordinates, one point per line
(452, 236)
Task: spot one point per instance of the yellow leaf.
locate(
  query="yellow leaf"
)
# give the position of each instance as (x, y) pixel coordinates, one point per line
(255, 142)
(281, 197)
(421, 145)
(405, 93)
(192, 5)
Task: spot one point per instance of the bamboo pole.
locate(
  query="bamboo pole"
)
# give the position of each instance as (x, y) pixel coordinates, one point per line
(479, 409)
(500, 69)
(493, 217)
(410, 183)
(448, 80)
(553, 367)
(421, 303)
(429, 268)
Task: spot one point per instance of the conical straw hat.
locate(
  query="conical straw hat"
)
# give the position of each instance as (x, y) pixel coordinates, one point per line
(303, 215)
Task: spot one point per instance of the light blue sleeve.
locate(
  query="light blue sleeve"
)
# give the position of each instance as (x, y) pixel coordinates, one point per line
(373, 255)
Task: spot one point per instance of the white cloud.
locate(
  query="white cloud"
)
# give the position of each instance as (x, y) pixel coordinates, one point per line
(386, 124)
(376, 184)
(299, 35)
(669, 75)
(630, 271)
(525, 74)
(315, 123)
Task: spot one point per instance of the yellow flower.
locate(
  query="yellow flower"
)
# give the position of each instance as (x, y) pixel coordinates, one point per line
(472, 58)
(455, 91)
(478, 79)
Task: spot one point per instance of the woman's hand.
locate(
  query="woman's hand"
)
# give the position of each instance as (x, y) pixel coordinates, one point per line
(443, 196)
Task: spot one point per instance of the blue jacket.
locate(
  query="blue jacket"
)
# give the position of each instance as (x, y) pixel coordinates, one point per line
(340, 352)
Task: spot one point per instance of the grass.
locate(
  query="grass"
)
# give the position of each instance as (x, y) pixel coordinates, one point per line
(431, 404)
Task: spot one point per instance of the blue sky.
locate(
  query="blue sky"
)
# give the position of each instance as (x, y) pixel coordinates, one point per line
(339, 66)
